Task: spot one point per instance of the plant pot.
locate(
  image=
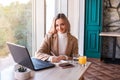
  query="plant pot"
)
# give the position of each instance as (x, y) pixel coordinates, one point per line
(22, 75)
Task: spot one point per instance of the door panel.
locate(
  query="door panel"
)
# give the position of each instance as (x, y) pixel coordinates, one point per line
(93, 12)
(92, 28)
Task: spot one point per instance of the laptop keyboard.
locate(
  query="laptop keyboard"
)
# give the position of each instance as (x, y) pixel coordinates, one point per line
(41, 64)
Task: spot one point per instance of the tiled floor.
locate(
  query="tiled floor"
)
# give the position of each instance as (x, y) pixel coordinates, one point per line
(102, 71)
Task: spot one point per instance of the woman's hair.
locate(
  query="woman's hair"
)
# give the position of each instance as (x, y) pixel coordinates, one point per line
(59, 16)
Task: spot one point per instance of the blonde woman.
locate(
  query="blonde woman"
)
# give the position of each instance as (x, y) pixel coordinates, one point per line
(58, 44)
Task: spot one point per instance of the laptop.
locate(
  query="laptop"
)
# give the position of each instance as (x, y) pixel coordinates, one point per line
(21, 56)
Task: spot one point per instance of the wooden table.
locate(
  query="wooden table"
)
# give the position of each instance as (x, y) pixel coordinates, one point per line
(56, 73)
(114, 35)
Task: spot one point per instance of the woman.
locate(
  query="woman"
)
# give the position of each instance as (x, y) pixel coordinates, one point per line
(58, 44)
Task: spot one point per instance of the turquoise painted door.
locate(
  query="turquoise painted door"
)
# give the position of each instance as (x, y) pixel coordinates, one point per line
(93, 25)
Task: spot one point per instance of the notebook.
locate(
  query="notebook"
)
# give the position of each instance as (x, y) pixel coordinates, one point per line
(21, 56)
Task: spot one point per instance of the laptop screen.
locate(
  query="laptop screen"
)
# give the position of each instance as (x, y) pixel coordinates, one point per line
(21, 56)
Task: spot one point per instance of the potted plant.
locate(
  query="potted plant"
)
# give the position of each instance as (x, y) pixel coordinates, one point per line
(22, 73)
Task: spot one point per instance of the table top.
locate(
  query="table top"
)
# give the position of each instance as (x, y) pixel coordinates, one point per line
(111, 34)
(56, 73)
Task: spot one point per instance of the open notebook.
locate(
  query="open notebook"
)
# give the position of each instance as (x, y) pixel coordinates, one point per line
(21, 56)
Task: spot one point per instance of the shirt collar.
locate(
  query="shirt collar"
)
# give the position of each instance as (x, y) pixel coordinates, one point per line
(62, 35)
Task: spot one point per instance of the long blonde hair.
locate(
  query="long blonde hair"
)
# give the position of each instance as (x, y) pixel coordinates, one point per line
(53, 26)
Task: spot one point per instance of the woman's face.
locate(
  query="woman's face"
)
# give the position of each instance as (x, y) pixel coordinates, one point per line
(61, 26)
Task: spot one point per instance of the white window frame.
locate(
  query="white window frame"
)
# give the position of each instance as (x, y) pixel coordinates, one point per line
(38, 23)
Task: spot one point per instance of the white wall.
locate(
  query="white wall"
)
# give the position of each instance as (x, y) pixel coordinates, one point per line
(76, 17)
(50, 13)
(81, 26)
(73, 16)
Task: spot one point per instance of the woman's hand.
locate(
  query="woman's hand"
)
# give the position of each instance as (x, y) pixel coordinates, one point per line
(62, 57)
(55, 59)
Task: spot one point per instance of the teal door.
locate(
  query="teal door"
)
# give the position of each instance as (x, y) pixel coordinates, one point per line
(93, 25)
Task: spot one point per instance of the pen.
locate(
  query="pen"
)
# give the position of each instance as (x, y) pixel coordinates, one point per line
(52, 53)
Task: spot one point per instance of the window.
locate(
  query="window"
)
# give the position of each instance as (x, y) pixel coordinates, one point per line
(15, 24)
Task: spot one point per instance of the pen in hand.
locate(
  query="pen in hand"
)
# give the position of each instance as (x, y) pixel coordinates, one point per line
(52, 53)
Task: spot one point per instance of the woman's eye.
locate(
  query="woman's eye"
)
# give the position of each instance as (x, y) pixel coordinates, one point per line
(62, 24)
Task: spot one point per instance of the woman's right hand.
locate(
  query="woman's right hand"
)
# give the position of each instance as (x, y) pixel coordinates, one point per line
(55, 59)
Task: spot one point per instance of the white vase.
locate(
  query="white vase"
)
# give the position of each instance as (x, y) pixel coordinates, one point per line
(22, 75)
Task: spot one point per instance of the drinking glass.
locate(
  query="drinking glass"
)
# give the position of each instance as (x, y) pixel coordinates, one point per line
(75, 58)
(82, 60)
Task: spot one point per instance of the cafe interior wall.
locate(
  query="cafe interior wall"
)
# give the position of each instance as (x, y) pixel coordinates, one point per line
(111, 23)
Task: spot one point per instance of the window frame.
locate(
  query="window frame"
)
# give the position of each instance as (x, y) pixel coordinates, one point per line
(38, 23)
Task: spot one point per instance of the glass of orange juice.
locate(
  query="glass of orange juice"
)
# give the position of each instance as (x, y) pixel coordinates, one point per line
(82, 60)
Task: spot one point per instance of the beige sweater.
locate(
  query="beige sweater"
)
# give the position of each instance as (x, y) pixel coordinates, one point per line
(49, 47)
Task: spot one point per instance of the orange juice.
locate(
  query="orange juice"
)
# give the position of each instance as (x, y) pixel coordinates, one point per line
(82, 60)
